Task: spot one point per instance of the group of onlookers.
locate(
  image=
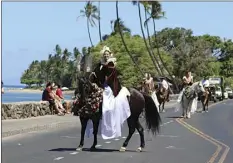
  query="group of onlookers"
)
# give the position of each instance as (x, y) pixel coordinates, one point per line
(53, 94)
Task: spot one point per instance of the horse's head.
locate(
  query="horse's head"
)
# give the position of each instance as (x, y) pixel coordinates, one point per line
(84, 87)
(198, 87)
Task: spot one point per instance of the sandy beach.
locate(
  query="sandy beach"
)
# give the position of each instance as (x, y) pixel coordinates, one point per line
(70, 92)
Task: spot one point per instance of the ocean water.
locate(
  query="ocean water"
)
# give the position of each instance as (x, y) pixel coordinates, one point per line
(9, 97)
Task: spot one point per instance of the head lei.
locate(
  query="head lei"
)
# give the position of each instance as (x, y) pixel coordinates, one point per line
(105, 48)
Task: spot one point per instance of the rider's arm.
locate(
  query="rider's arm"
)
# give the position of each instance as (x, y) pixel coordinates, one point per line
(185, 80)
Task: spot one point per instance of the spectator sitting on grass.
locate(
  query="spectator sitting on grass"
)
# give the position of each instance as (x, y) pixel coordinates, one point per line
(48, 96)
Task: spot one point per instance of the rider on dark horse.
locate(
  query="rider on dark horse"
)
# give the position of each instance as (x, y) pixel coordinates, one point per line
(148, 84)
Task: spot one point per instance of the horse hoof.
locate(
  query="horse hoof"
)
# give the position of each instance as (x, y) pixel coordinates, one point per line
(139, 149)
(122, 149)
(79, 149)
(92, 148)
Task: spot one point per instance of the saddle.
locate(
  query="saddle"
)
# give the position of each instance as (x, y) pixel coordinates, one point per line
(189, 93)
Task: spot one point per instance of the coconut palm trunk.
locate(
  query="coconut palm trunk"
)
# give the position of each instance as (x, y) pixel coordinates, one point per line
(150, 44)
(100, 35)
(157, 47)
(123, 41)
(143, 34)
(88, 30)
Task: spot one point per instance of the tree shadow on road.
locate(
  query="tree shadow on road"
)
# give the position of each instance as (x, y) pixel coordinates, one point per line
(89, 150)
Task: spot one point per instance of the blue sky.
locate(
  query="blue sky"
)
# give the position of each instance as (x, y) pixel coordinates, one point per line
(30, 30)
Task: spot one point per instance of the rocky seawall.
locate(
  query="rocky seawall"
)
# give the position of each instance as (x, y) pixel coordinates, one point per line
(22, 110)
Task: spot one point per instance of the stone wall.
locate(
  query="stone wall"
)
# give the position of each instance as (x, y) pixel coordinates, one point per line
(21, 110)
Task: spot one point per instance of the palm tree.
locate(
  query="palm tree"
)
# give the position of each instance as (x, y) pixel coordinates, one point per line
(144, 38)
(119, 26)
(147, 8)
(90, 12)
(99, 22)
(123, 41)
(156, 14)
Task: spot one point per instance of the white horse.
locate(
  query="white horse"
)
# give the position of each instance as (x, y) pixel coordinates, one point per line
(189, 94)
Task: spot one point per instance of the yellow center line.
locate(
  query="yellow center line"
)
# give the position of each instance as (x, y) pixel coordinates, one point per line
(208, 138)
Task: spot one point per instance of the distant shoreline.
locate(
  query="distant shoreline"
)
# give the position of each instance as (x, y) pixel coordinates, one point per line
(25, 90)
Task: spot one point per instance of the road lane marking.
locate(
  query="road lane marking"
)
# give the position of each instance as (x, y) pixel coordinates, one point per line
(227, 148)
(208, 138)
(167, 122)
(73, 153)
(70, 137)
(173, 147)
(58, 158)
(168, 136)
(202, 135)
(107, 142)
(123, 137)
(98, 145)
(116, 139)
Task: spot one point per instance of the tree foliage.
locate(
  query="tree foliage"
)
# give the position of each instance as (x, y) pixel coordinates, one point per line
(177, 49)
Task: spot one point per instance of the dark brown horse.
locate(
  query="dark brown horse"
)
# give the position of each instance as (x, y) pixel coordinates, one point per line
(104, 75)
(204, 98)
(162, 96)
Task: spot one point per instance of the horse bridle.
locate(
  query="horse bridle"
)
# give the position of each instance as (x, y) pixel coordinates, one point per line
(94, 74)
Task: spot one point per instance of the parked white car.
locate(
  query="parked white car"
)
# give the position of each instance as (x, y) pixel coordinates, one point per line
(225, 94)
(218, 93)
(229, 92)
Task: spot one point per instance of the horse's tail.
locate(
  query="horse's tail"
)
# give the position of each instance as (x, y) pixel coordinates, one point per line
(153, 119)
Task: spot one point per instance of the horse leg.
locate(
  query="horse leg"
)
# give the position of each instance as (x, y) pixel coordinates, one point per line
(83, 129)
(132, 125)
(141, 133)
(163, 106)
(203, 105)
(207, 105)
(95, 121)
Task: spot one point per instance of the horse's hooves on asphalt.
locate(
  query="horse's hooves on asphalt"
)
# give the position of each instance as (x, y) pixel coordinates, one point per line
(122, 149)
(92, 148)
(139, 149)
(79, 149)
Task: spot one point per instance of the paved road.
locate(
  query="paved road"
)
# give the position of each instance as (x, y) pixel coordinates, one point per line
(175, 143)
(218, 124)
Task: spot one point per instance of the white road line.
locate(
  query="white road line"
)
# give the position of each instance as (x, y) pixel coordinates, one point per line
(58, 158)
(73, 153)
(99, 145)
(168, 122)
(116, 139)
(168, 136)
(107, 142)
(172, 147)
(71, 137)
(123, 137)
(136, 133)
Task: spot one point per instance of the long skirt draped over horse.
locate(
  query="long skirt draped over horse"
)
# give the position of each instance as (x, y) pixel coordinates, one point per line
(179, 100)
(115, 110)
